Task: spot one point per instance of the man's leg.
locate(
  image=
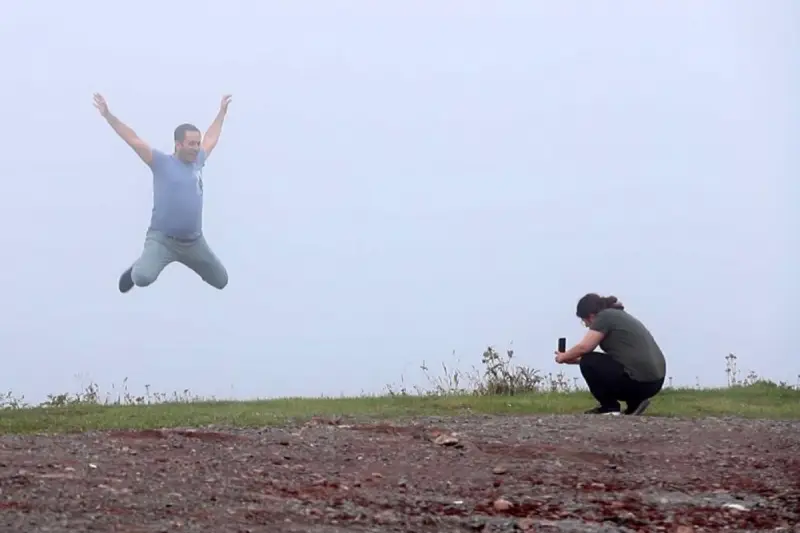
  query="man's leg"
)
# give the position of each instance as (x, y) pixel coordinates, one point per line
(156, 255)
(637, 394)
(205, 263)
(602, 375)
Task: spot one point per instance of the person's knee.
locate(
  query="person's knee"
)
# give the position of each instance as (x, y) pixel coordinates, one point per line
(142, 277)
(588, 360)
(220, 281)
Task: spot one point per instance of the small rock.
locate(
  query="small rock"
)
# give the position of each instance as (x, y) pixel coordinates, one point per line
(477, 523)
(445, 440)
(499, 470)
(387, 517)
(684, 529)
(735, 507)
(526, 524)
(502, 505)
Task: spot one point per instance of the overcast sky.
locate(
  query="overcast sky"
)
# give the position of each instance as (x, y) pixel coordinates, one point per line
(398, 180)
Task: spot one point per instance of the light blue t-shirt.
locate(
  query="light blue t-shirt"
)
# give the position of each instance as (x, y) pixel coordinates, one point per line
(177, 195)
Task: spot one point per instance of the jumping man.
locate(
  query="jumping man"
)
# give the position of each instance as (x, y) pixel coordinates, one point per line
(175, 232)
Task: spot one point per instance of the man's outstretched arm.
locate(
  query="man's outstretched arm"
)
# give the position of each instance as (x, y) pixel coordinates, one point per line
(211, 137)
(127, 134)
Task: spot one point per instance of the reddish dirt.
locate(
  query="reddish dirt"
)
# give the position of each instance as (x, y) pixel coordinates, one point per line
(493, 474)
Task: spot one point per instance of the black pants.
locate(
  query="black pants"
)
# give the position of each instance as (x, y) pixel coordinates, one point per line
(609, 383)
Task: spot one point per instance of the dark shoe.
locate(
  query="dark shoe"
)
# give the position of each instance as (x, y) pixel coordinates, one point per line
(126, 281)
(600, 410)
(637, 409)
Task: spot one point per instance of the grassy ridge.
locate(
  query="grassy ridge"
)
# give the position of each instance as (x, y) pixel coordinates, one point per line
(759, 400)
(502, 387)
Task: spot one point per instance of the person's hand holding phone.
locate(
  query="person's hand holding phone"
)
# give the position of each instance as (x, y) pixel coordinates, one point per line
(562, 347)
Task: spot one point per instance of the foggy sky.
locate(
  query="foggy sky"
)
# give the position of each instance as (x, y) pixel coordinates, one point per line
(396, 181)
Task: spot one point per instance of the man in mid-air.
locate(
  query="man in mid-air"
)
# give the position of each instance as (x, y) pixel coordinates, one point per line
(176, 223)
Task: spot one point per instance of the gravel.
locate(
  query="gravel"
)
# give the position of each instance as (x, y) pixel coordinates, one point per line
(489, 473)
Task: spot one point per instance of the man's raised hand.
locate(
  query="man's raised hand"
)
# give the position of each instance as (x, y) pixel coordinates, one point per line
(211, 137)
(100, 104)
(127, 134)
(223, 106)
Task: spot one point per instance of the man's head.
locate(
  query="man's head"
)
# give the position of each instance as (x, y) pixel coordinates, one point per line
(593, 303)
(187, 142)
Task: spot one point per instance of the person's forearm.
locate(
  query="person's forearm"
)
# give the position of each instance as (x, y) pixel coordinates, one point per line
(215, 129)
(127, 134)
(574, 354)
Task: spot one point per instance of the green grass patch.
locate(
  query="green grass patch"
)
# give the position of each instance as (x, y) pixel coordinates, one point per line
(761, 400)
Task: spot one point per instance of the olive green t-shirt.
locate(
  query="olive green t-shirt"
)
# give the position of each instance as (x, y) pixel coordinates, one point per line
(628, 342)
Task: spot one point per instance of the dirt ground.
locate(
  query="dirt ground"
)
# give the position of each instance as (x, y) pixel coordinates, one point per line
(493, 474)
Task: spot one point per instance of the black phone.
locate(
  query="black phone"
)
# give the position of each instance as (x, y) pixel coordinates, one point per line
(562, 344)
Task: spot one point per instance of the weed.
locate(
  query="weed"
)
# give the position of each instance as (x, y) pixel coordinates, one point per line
(501, 376)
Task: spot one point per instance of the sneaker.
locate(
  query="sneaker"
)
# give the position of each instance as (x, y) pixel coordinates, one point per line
(126, 281)
(600, 410)
(637, 410)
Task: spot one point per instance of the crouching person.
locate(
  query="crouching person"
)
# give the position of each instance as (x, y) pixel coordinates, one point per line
(631, 368)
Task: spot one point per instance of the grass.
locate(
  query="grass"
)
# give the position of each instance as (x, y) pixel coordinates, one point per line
(759, 400)
(502, 388)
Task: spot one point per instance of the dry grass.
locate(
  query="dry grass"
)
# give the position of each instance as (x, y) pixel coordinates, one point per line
(502, 387)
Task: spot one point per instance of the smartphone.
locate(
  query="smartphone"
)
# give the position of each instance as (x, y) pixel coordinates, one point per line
(562, 344)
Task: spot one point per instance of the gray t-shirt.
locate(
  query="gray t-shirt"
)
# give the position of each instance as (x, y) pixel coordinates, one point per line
(177, 195)
(628, 342)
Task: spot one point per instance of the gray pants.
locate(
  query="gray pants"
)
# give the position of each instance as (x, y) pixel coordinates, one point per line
(161, 250)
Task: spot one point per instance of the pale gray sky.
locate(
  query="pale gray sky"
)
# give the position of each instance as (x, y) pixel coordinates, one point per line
(397, 180)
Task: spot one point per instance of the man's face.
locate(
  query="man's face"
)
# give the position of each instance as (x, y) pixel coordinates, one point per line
(187, 149)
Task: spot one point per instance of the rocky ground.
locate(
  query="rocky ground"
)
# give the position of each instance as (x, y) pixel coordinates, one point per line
(492, 474)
